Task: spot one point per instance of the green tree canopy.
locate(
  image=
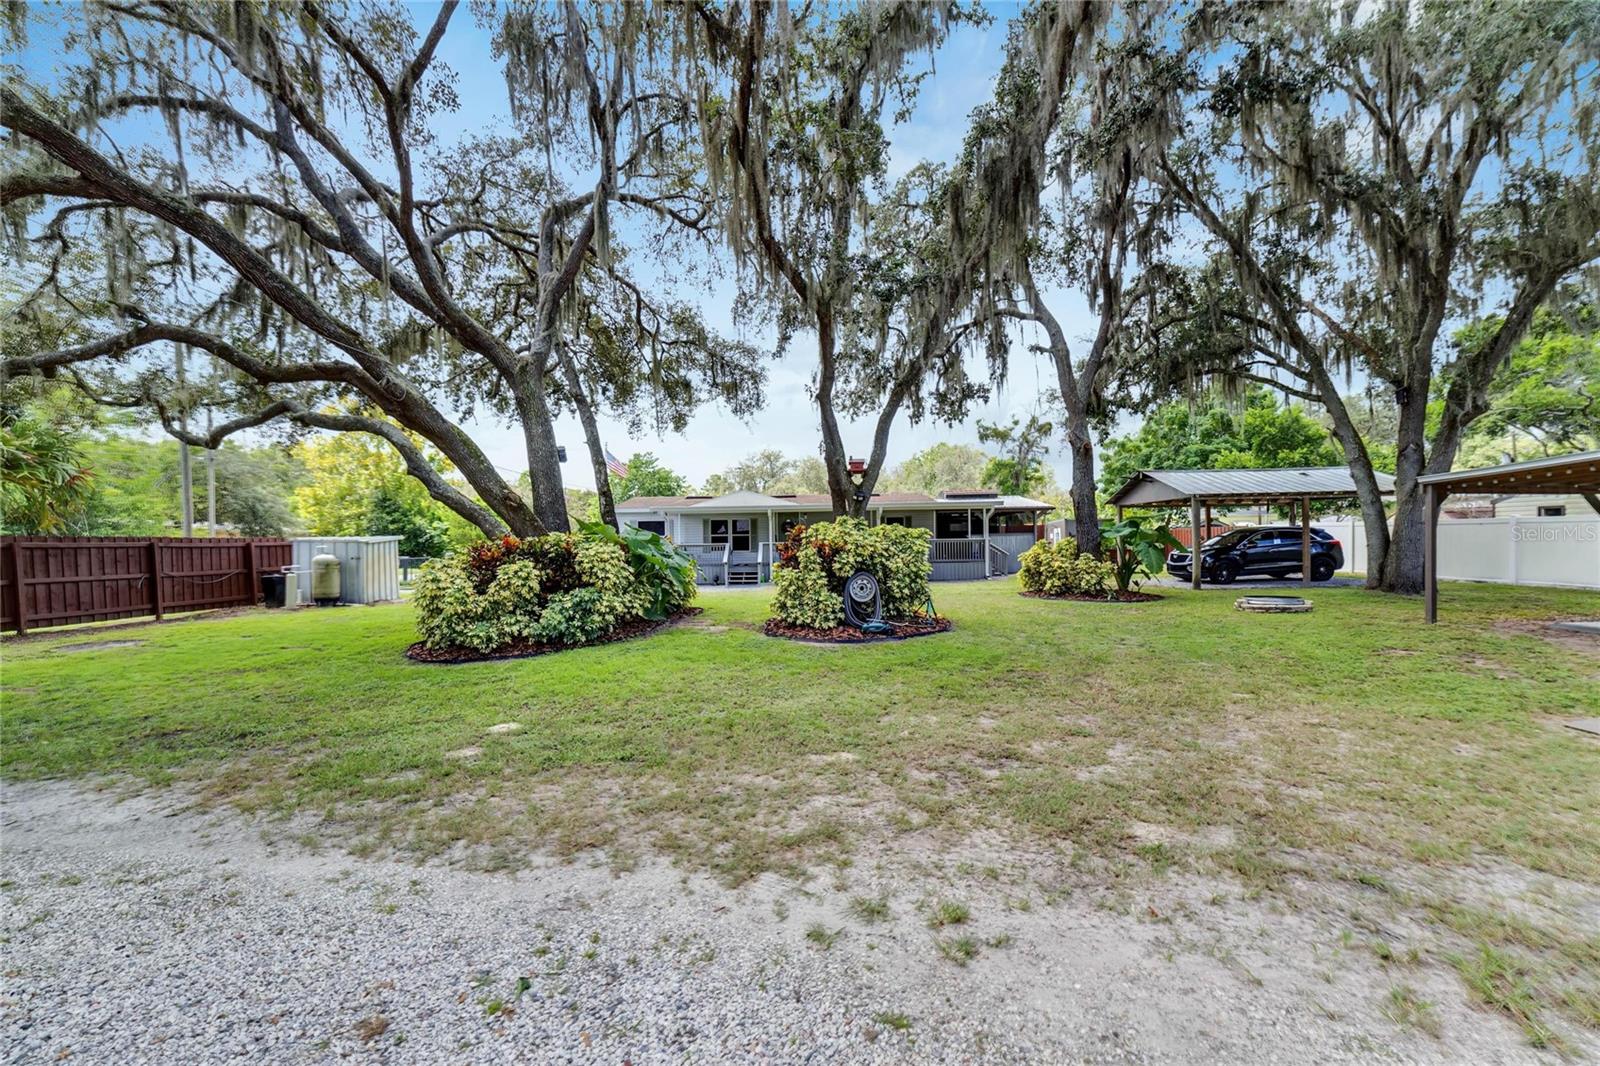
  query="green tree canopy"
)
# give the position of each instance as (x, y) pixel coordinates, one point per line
(647, 477)
(1019, 468)
(761, 471)
(1546, 399)
(942, 466)
(1210, 435)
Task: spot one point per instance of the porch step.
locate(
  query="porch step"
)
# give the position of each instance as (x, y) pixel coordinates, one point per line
(744, 576)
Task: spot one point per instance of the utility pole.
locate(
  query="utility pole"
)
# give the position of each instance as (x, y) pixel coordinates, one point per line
(211, 482)
(185, 473)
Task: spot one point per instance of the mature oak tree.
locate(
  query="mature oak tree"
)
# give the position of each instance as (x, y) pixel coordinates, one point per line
(266, 184)
(793, 114)
(1369, 174)
(1064, 161)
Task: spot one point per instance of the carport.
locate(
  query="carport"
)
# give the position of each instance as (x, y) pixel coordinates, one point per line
(1201, 490)
(1577, 475)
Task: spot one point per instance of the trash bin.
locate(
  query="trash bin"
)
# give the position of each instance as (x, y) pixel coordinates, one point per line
(272, 589)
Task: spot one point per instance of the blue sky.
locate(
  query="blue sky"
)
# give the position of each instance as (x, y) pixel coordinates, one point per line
(964, 70)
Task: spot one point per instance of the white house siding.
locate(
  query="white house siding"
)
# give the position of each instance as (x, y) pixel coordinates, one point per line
(1528, 506)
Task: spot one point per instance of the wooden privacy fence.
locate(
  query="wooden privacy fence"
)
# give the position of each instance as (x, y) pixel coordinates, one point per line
(58, 581)
(1183, 534)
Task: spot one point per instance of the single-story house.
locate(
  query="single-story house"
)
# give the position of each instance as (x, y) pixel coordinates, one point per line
(976, 533)
(1492, 505)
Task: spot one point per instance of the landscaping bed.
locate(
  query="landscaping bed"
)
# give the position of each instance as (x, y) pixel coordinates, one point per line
(526, 649)
(777, 627)
(1096, 597)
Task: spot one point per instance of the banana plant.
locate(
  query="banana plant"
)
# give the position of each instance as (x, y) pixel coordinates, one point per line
(1143, 550)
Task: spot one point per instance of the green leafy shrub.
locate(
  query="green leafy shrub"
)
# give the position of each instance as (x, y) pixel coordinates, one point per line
(1144, 551)
(1057, 568)
(815, 561)
(557, 589)
(666, 572)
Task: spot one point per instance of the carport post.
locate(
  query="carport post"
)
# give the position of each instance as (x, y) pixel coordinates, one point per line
(1305, 540)
(1194, 538)
(1118, 548)
(1430, 554)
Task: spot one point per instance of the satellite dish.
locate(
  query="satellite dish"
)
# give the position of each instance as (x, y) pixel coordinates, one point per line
(863, 602)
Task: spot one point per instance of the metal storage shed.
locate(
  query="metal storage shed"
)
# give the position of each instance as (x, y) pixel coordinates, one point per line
(369, 567)
(1197, 489)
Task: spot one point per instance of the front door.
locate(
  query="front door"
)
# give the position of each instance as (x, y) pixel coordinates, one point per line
(735, 532)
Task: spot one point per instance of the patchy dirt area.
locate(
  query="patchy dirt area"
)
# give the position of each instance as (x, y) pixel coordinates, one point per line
(97, 645)
(143, 931)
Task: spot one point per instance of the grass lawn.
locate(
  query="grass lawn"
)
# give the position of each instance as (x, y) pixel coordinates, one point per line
(1353, 746)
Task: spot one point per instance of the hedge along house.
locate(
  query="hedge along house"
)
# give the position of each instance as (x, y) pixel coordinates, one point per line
(976, 533)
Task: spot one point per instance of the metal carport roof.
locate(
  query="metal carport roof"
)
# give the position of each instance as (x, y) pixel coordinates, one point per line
(1175, 488)
(1579, 473)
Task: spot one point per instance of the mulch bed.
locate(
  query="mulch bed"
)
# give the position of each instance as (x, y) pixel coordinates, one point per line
(1118, 597)
(526, 649)
(850, 635)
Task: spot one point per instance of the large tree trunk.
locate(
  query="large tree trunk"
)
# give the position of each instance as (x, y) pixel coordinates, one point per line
(1085, 502)
(539, 438)
(842, 489)
(1075, 394)
(1403, 563)
(591, 436)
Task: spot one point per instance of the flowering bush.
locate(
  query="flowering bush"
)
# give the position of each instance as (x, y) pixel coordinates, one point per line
(555, 589)
(1057, 568)
(815, 561)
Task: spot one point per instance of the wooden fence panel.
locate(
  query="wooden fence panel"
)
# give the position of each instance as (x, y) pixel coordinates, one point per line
(1184, 534)
(57, 581)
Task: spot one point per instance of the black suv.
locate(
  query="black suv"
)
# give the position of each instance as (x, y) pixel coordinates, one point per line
(1272, 551)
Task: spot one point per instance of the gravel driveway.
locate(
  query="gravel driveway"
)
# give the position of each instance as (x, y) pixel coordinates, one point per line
(138, 932)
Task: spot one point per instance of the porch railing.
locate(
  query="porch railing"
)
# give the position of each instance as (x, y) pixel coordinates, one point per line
(710, 562)
(955, 550)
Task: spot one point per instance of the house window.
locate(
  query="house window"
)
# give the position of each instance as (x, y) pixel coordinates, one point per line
(950, 525)
(897, 520)
(651, 525)
(734, 531)
(1554, 511)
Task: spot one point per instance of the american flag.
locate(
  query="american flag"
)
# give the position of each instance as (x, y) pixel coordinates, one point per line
(616, 466)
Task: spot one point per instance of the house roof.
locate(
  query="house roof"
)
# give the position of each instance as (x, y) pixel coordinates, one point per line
(818, 501)
(741, 500)
(1579, 473)
(1172, 488)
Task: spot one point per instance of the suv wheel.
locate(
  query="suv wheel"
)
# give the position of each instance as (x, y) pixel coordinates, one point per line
(1321, 569)
(1226, 571)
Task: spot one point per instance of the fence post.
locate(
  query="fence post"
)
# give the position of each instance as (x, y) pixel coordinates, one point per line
(250, 593)
(17, 587)
(155, 577)
(1511, 534)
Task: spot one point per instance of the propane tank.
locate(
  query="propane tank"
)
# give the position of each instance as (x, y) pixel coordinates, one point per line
(325, 579)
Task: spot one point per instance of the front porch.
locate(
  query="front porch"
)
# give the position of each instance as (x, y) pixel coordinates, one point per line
(733, 538)
(968, 558)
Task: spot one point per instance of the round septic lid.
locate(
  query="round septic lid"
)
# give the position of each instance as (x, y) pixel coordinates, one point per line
(1273, 604)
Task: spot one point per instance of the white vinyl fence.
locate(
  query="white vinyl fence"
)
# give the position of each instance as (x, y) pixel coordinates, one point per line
(1513, 551)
